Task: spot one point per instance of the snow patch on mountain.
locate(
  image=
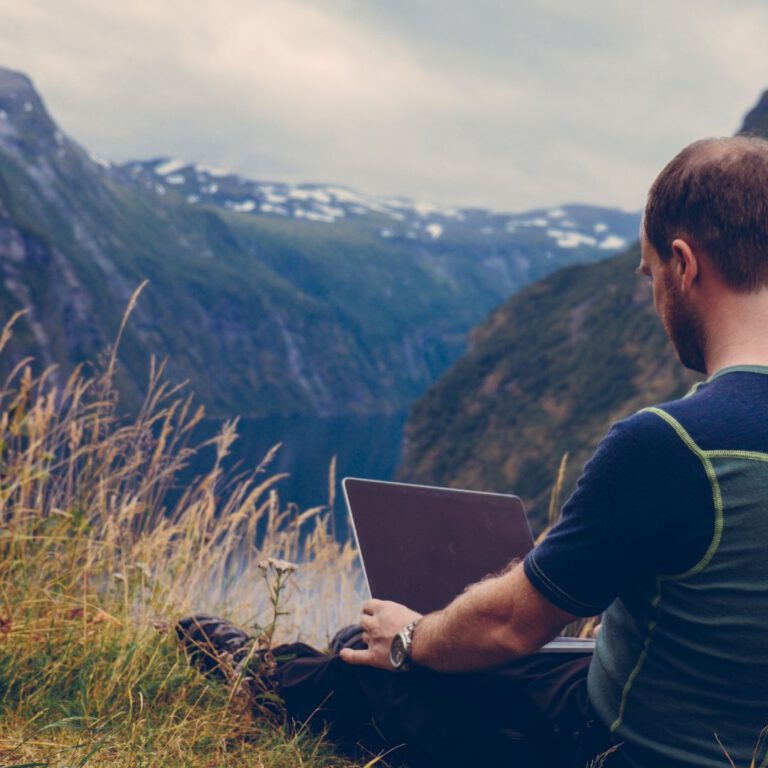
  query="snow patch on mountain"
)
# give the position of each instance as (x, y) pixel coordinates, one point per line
(246, 206)
(268, 208)
(100, 160)
(612, 242)
(570, 239)
(212, 171)
(170, 166)
(300, 213)
(316, 195)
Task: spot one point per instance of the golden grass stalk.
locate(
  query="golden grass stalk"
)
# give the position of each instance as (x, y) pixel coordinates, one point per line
(100, 554)
(553, 512)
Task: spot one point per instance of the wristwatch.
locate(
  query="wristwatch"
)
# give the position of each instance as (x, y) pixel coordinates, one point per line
(400, 650)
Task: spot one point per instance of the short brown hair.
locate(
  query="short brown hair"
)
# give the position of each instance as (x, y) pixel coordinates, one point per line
(714, 194)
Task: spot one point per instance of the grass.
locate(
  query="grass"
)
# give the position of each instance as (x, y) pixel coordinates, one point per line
(100, 554)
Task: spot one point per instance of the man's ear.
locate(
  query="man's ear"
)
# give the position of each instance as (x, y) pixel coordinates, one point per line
(685, 263)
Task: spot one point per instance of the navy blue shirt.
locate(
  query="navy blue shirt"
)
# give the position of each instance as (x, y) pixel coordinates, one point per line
(643, 502)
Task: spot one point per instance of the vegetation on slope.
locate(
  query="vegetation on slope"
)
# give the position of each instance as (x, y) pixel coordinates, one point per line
(100, 555)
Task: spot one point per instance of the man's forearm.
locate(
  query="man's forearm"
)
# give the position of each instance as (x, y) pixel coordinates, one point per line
(494, 621)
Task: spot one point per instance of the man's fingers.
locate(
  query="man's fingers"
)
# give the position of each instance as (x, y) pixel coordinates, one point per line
(351, 656)
(366, 622)
(370, 606)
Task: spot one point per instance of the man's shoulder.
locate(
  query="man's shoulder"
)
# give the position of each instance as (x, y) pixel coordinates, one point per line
(727, 412)
(643, 428)
(645, 444)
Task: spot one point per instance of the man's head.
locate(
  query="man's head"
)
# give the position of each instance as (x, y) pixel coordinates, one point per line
(714, 196)
(707, 213)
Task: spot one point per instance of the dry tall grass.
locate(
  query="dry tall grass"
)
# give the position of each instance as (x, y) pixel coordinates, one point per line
(100, 554)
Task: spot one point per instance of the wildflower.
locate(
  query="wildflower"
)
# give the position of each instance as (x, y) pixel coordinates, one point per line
(280, 567)
(161, 624)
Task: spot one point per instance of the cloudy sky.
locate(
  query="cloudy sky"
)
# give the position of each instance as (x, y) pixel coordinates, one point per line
(507, 104)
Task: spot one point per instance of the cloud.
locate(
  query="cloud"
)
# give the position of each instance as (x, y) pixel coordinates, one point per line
(504, 104)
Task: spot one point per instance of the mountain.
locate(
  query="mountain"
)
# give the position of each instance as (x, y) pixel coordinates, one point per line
(756, 120)
(269, 298)
(547, 373)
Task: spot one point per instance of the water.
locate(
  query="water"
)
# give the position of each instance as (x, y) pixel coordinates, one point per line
(364, 446)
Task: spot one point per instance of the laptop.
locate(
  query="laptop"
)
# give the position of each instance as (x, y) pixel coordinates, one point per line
(422, 546)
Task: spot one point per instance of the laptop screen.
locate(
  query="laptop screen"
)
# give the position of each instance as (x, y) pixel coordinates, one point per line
(422, 546)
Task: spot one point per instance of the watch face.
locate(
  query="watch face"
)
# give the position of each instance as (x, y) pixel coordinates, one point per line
(397, 652)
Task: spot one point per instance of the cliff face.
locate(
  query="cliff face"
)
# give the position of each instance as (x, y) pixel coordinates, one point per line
(547, 373)
(267, 298)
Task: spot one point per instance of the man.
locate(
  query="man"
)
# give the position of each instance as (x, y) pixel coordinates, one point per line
(666, 535)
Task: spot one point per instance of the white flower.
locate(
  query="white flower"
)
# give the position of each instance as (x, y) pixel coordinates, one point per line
(280, 567)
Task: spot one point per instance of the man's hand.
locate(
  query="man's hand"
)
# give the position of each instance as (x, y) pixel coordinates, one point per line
(381, 621)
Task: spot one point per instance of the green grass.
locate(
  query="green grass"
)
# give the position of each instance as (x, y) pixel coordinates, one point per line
(97, 562)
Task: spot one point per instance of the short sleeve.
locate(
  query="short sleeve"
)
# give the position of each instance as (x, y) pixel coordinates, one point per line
(642, 505)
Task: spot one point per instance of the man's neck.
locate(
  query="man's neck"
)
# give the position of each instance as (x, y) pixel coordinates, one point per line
(736, 332)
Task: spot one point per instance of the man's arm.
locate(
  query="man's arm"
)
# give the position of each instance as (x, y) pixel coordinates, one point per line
(495, 620)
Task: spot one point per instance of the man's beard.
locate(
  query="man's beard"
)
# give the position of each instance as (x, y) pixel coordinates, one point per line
(685, 331)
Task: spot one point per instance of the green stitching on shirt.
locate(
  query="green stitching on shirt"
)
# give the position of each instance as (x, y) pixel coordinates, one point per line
(697, 568)
(640, 661)
(716, 494)
(694, 389)
(753, 455)
(761, 369)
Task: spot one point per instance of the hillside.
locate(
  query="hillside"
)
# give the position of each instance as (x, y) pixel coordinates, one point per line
(547, 373)
(268, 298)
